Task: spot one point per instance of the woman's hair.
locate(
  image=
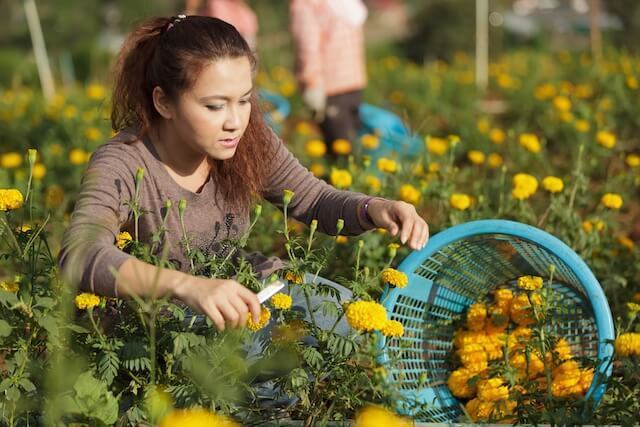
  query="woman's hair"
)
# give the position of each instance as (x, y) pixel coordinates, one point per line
(171, 53)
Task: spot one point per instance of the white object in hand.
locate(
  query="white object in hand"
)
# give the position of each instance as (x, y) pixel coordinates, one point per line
(270, 291)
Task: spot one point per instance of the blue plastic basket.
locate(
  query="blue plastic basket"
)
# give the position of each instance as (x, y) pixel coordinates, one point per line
(463, 264)
(280, 111)
(395, 138)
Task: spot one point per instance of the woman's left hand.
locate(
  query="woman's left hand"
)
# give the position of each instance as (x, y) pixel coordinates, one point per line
(396, 216)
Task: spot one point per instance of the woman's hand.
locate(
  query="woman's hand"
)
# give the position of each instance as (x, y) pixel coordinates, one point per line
(396, 216)
(225, 302)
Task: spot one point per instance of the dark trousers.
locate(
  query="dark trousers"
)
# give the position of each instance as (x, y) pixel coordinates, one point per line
(342, 119)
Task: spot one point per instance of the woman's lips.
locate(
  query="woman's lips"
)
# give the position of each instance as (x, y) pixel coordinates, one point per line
(229, 142)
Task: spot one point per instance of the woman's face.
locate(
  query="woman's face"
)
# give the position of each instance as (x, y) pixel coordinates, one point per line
(212, 116)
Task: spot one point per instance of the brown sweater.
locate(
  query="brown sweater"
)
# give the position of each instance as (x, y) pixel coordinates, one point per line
(89, 254)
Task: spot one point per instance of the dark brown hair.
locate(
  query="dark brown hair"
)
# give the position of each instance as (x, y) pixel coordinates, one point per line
(171, 53)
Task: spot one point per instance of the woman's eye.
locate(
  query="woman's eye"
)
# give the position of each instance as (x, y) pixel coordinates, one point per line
(244, 101)
(215, 107)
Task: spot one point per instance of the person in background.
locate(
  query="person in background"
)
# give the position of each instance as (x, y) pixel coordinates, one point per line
(330, 62)
(235, 12)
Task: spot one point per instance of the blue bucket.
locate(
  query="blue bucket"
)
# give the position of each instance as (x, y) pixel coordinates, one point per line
(395, 138)
(460, 266)
(280, 111)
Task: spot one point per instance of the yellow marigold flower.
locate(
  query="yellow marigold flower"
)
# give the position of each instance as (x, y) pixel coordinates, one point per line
(562, 103)
(437, 146)
(583, 91)
(317, 170)
(315, 148)
(409, 194)
(483, 125)
(78, 156)
(394, 277)
(92, 133)
(522, 308)
(633, 307)
(366, 316)
(463, 338)
(474, 357)
(377, 416)
(529, 369)
(566, 116)
(530, 283)
(373, 182)
(632, 82)
(10, 199)
(53, 197)
(589, 225)
(39, 171)
(392, 328)
(387, 165)
(519, 336)
(582, 126)
(626, 242)
(265, 316)
(530, 142)
(497, 136)
(10, 160)
(304, 128)
(341, 146)
(563, 350)
(342, 240)
(552, 184)
(492, 390)
(123, 239)
(294, 277)
(458, 383)
(287, 89)
(632, 160)
(11, 286)
(434, 167)
(476, 316)
(545, 91)
(370, 142)
(86, 300)
(606, 139)
(586, 378)
(340, 178)
(476, 157)
(494, 160)
(460, 201)
(96, 91)
(197, 417)
(503, 297)
(628, 344)
(70, 111)
(524, 186)
(612, 200)
(281, 301)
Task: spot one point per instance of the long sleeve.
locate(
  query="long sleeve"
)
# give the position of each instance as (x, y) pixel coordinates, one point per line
(314, 198)
(307, 37)
(88, 250)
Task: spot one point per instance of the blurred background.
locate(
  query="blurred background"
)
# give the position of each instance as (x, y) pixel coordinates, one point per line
(81, 37)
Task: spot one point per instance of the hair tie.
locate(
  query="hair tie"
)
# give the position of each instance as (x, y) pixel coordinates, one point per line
(175, 21)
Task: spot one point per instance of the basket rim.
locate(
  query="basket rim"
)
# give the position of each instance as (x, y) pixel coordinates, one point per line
(600, 307)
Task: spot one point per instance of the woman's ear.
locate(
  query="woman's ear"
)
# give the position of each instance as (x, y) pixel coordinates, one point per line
(162, 103)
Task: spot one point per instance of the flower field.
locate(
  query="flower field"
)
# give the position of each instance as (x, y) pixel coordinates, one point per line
(554, 143)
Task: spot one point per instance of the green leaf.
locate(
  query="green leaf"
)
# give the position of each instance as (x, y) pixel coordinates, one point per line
(312, 357)
(340, 345)
(27, 385)
(5, 328)
(93, 400)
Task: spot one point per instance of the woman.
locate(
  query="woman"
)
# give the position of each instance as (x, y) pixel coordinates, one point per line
(185, 110)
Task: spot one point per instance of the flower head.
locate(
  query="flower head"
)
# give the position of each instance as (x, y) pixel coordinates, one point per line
(612, 200)
(524, 186)
(606, 139)
(10, 199)
(392, 328)
(530, 142)
(281, 301)
(530, 283)
(315, 148)
(340, 178)
(394, 277)
(123, 239)
(265, 316)
(460, 201)
(366, 316)
(552, 184)
(197, 417)
(86, 300)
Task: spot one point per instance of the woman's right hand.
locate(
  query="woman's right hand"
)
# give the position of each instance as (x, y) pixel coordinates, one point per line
(225, 302)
